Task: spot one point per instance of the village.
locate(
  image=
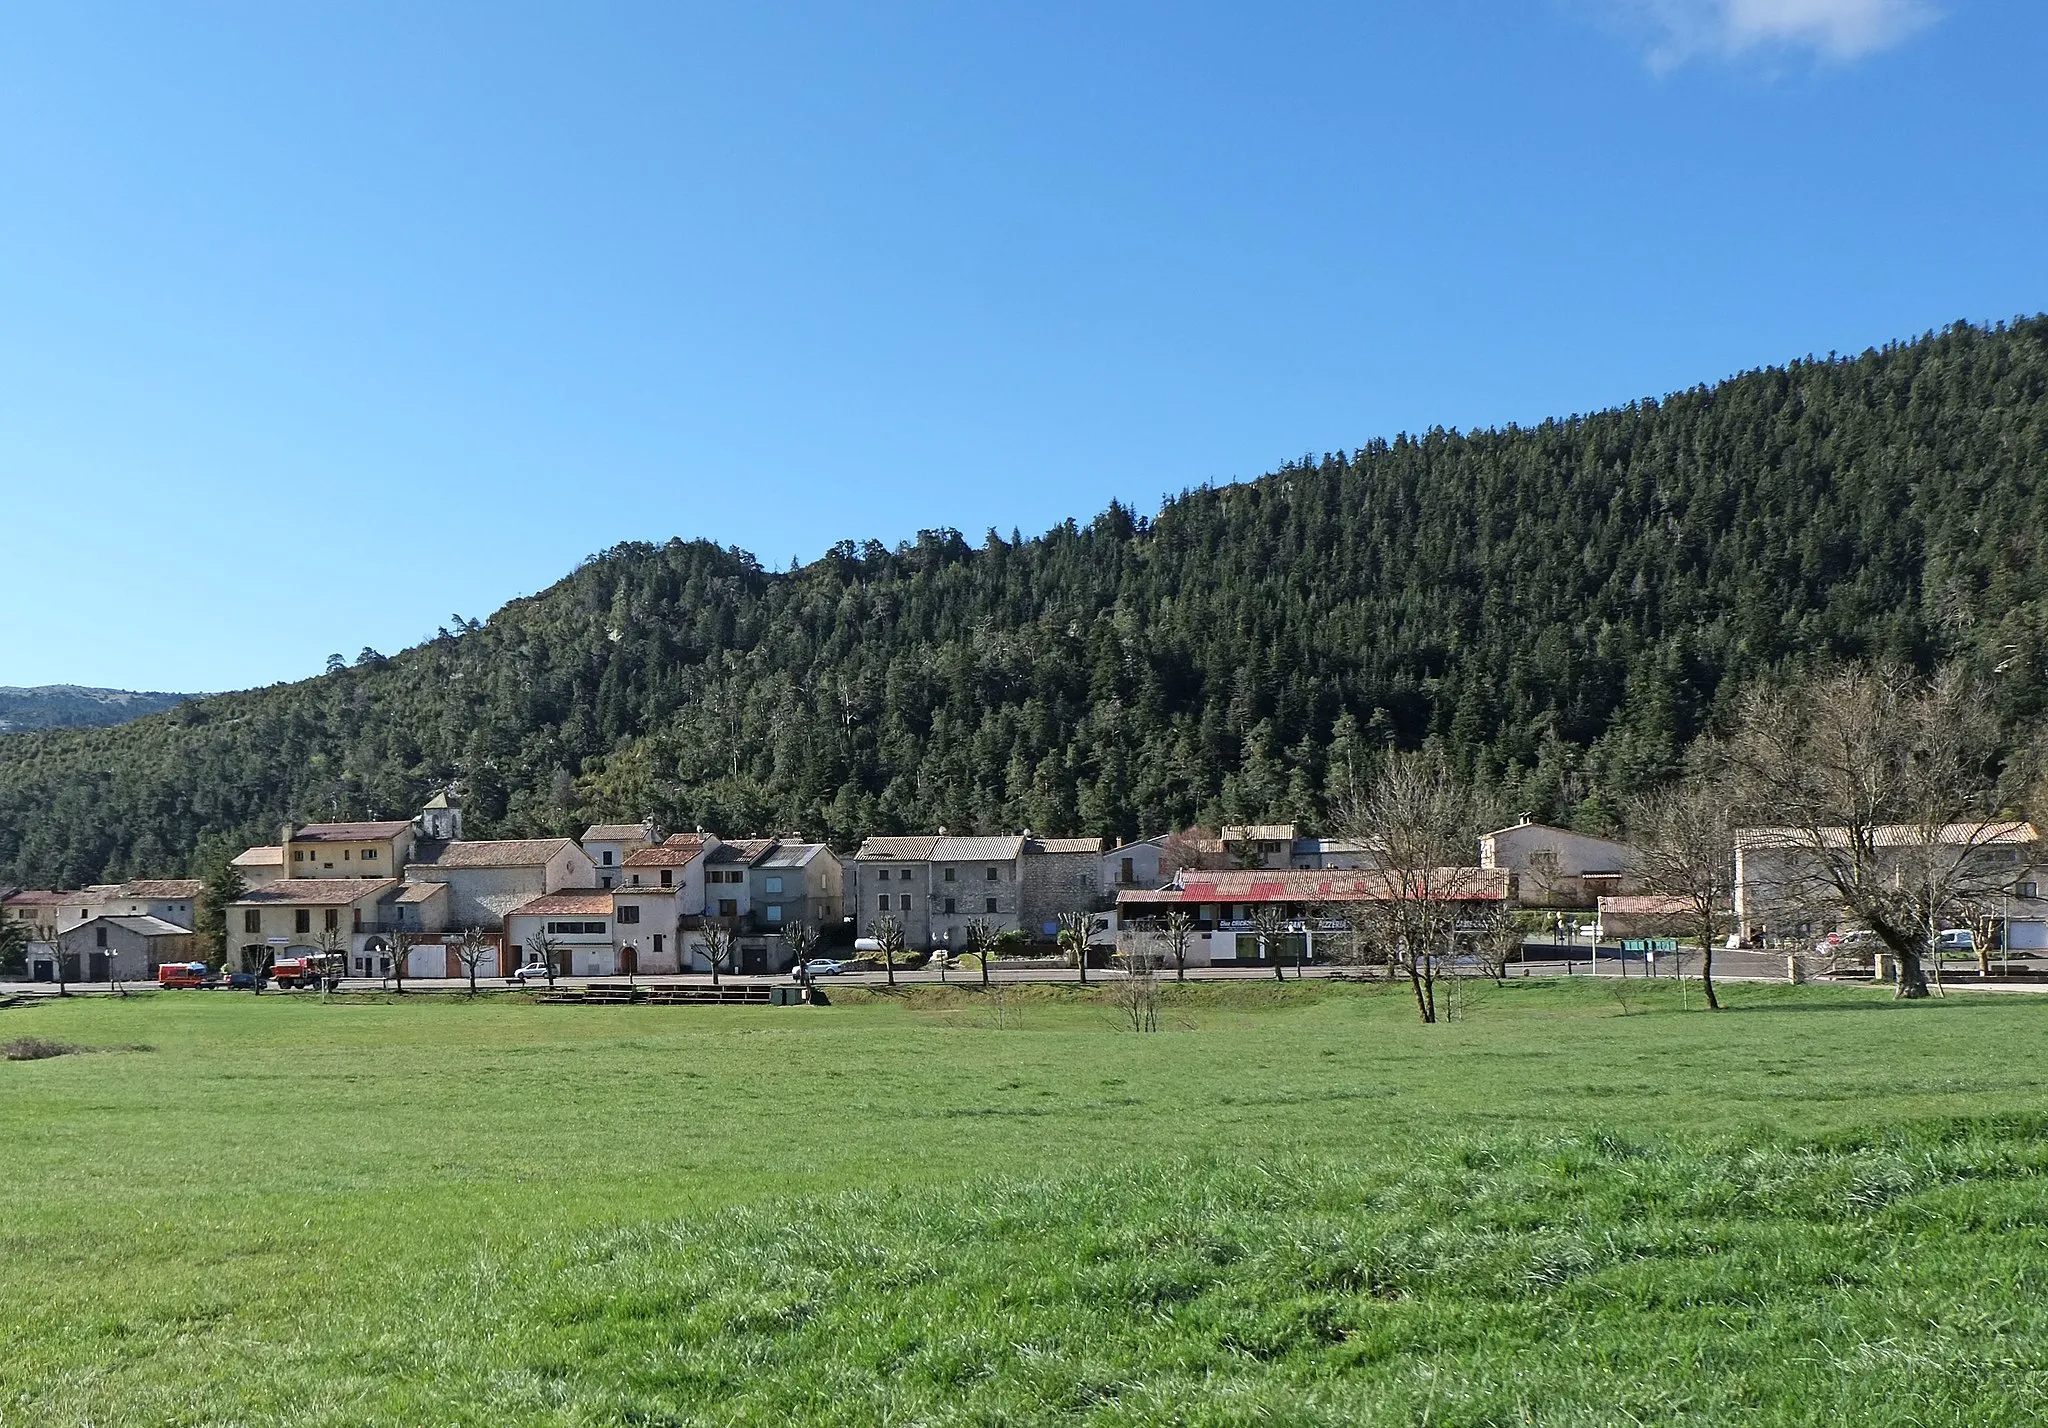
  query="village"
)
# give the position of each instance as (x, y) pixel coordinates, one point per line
(385, 901)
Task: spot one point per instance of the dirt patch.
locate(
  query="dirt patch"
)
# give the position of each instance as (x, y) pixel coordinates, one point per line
(36, 1048)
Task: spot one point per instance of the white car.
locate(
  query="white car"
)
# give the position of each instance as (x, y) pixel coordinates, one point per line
(819, 967)
(532, 971)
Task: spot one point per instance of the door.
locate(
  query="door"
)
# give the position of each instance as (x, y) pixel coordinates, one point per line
(753, 961)
(629, 959)
(97, 966)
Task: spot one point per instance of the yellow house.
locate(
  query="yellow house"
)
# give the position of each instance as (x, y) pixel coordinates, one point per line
(347, 850)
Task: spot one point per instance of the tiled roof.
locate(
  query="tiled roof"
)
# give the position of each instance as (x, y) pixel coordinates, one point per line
(1645, 905)
(350, 832)
(414, 893)
(269, 855)
(299, 892)
(39, 899)
(1897, 835)
(161, 889)
(566, 904)
(747, 851)
(672, 854)
(618, 833)
(1255, 885)
(976, 850)
(896, 850)
(1258, 833)
(501, 853)
(684, 840)
(1064, 845)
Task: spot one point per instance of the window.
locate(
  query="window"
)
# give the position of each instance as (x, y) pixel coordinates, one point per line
(773, 912)
(607, 857)
(1128, 872)
(728, 907)
(252, 920)
(991, 874)
(949, 874)
(657, 944)
(882, 904)
(302, 920)
(333, 918)
(905, 875)
(950, 909)
(369, 855)
(991, 904)
(629, 913)
(904, 902)
(344, 855)
(2029, 890)
(773, 885)
(99, 936)
(576, 929)
(668, 877)
(297, 854)
(605, 884)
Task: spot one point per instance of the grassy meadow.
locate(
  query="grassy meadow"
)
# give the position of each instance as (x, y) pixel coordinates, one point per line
(1294, 1205)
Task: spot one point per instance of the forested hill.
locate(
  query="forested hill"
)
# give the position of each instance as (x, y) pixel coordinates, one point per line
(64, 706)
(1565, 606)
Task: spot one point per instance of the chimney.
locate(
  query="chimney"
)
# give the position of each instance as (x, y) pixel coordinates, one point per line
(286, 832)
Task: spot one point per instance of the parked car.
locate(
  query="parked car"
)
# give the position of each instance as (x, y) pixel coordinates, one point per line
(1957, 939)
(818, 967)
(532, 971)
(238, 982)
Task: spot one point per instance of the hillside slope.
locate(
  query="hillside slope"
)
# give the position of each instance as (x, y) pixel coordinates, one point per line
(1565, 606)
(72, 706)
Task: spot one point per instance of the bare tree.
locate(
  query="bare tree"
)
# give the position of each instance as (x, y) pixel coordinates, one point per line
(1420, 823)
(470, 951)
(333, 945)
(1136, 996)
(1493, 934)
(716, 942)
(1684, 837)
(889, 938)
(801, 938)
(1880, 799)
(1073, 939)
(1269, 926)
(981, 941)
(546, 951)
(1189, 848)
(401, 953)
(1180, 926)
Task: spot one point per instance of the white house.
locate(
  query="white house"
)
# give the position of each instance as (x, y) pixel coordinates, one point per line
(607, 845)
(1558, 867)
(578, 923)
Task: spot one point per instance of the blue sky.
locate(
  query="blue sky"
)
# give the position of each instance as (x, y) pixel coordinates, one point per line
(318, 324)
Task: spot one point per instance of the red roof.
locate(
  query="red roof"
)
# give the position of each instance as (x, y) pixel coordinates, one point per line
(39, 899)
(1327, 885)
(566, 904)
(681, 849)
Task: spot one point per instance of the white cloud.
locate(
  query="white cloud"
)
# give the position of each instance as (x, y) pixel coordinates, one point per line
(1837, 30)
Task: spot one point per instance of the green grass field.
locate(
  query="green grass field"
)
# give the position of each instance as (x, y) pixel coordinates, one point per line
(1294, 1205)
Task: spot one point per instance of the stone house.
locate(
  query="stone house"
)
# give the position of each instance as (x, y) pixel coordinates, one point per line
(487, 879)
(578, 922)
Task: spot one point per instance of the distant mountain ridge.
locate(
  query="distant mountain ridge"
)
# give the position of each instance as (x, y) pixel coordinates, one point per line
(74, 706)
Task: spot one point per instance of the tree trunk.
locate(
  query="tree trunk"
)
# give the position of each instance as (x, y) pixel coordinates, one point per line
(1423, 1004)
(1707, 964)
(1912, 979)
(984, 966)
